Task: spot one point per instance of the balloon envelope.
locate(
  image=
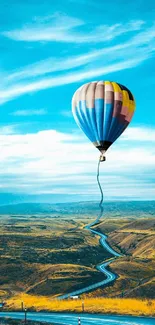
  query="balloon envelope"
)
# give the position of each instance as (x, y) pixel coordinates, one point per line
(103, 110)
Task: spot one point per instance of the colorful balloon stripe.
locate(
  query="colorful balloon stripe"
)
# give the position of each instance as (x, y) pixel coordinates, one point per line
(103, 110)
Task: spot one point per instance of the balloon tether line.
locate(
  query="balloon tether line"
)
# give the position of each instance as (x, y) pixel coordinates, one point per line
(101, 190)
(102, 158)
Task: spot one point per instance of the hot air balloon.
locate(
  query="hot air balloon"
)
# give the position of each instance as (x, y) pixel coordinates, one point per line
(103, 110)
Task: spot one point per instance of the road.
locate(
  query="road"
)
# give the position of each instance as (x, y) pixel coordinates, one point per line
(86, 319)
(101, 267)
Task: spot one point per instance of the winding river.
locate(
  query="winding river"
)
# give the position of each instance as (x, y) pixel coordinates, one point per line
(86, 319)
(101, 267)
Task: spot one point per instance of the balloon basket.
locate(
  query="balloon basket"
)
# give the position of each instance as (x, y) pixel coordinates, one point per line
(102, 158)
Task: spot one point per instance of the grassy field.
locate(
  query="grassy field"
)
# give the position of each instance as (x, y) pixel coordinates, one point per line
(44, 256)
(91, 305)
(47, 256)
(136, 240)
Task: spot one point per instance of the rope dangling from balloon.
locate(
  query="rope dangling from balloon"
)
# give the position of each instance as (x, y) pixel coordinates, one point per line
(101, 190)
(93, 223)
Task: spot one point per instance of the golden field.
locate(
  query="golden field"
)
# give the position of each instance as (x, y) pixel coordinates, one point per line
(50, 256)
(123, 306)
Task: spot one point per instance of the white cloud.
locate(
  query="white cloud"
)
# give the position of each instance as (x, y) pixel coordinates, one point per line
(63, 28)
(53, 64)
(5, 130)
(145, 36)
(140, 134)
(54, 162)
(53, 72)
(68, 78)
(29, 112)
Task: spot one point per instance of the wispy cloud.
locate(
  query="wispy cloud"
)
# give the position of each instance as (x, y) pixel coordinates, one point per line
(143, 134)
(54, 72)
(63, 28)
(53, 64)
(19, 89)
(5, 130)
(27, 164)
(29, 112)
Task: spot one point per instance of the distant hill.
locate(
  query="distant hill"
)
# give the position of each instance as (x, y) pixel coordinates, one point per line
(118, 209)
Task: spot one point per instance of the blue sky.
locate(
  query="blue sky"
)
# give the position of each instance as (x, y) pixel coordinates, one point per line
(48, 50)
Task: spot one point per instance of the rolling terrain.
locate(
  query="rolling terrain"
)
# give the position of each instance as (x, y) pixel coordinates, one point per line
(136, 240)
(131, 209)
(47, 255)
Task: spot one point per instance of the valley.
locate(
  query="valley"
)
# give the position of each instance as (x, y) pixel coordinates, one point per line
(52, 255)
